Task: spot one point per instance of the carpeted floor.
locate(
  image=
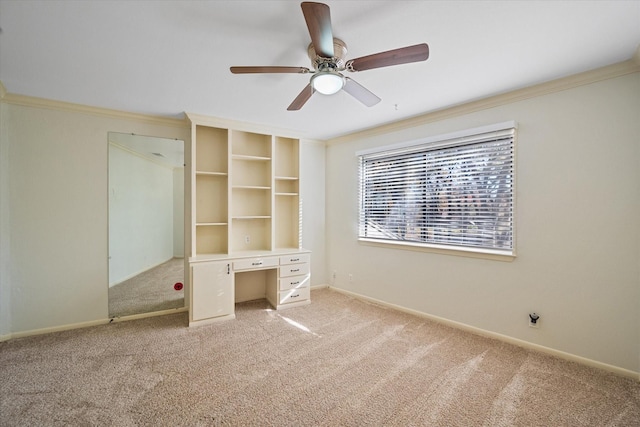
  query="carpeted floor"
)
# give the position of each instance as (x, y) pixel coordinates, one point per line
(337, 362)
(152, 290)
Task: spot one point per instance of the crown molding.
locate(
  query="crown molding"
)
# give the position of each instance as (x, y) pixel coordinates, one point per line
(599, 74)
(29, 101)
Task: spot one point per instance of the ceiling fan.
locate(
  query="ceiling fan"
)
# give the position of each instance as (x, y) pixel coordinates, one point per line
(327, 55)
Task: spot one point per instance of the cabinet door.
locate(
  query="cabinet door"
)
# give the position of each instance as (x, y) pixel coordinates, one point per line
(212, 293)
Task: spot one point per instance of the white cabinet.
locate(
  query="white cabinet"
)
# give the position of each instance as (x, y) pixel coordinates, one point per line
(254, 263)
(291, 296)
(293, 281)
(212, 292)
(244, 212)
(285, 283)
(294, 270)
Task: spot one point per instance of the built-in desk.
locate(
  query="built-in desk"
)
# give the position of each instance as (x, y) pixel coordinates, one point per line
(217, 282)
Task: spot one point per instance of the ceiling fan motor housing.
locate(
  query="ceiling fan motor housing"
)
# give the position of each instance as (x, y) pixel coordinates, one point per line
(336, 62)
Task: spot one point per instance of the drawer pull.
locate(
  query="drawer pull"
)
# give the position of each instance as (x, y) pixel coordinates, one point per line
(295, 296)
(295, 259)
(295, 270)
(256, 263)
(295, 283)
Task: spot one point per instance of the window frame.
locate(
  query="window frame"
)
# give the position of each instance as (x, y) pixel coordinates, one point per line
(461, 138)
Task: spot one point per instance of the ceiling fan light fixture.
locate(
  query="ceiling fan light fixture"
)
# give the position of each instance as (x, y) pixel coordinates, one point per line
(327, 55)
(327, 82)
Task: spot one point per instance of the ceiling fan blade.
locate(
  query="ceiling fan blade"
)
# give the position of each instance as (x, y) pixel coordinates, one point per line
(255, 70)
(318, 18)
(403, 55)
(301, 99)
(360, 93)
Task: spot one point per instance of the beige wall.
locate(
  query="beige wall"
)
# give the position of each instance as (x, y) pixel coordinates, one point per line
(53, 210)
(578, 205)
(58, 212)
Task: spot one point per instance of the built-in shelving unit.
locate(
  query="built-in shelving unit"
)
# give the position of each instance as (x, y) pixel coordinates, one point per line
(245, 190)
(251, 212)
(287, 197)
(210, 182)
(245, 214)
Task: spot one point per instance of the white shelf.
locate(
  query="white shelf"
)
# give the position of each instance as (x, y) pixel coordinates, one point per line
(250, 158)
(250, 187)
(286, 194)
(252, 217)
(211, 173)
(210, 224)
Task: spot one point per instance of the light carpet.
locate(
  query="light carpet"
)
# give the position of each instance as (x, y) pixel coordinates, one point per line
(337, 362)
(149, 291)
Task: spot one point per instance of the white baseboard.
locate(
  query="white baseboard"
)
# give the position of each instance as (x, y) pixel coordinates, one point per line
(505, 338)
(59, 328)
(521, 343)
(68, 327)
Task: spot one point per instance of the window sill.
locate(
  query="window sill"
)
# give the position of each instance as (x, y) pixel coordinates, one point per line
(441, 249)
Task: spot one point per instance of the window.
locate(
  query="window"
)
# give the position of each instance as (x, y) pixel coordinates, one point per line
(453, 192)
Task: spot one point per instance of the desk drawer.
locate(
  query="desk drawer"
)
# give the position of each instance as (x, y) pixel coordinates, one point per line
(294, 270)
(294, 295)
(294, 259)
(252, 263)
(294, 282)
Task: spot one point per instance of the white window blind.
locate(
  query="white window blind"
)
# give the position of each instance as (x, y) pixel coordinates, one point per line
(457, 192)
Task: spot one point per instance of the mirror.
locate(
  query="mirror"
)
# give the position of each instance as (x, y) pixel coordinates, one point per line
(146, 224)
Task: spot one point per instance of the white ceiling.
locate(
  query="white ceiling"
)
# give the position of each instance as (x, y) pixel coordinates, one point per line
(170, 57)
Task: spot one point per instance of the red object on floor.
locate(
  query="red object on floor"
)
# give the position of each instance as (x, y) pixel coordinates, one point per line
(178, 286)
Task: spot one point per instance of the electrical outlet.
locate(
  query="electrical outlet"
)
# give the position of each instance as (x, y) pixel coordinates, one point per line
(247, 240)
(335, 273)
(350, 278)
(534, 320)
